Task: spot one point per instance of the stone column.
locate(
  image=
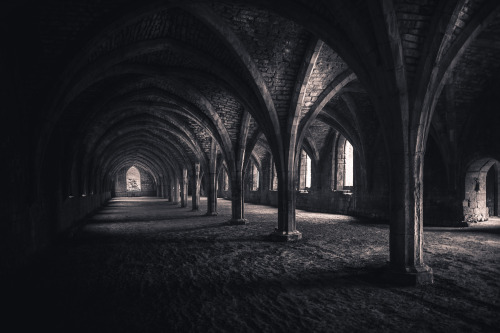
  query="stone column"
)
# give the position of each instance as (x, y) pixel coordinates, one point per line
(497, 190)
(287, 225)
(212, 181)
(159, 189)
(175, 191)
(237, 199)
(184, 188)
(164, 188)
(406, 229)
(212, 194)
(169, 186)
(196, 187)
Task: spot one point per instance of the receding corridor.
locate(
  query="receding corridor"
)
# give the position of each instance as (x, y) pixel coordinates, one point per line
(145, 265)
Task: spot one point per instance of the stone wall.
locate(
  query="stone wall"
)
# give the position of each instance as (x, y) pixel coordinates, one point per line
(73, 210)
(474, 205)
(361, 201)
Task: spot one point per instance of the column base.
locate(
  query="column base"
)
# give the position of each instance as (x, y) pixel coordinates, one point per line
(281, 236)
(211, 214)
(238, 221)
(195, 210)
(409, 276)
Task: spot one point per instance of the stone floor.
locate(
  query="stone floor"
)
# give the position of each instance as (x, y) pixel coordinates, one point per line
(144, 265)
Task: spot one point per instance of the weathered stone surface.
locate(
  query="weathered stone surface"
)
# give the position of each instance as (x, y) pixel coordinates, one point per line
(92, 88)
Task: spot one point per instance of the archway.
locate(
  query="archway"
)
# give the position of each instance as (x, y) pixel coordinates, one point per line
(133, 180)
(481, 190)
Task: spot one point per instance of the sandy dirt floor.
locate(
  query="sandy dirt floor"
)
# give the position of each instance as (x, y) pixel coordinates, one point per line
(144, 265)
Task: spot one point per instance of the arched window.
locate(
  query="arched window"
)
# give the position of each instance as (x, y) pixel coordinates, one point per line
(254, 177)
(343, 165)
(481, 190)
(274, 178)
(133, 179)
(349, 165)
(225, 179)
(305, 171)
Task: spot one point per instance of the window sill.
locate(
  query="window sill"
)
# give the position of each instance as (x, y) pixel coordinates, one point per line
(347, 192)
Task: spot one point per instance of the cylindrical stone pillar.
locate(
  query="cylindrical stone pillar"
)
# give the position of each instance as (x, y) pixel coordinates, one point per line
(196, 187)
(237, 199)
(184, 188)
(212, 194)
(175, 191)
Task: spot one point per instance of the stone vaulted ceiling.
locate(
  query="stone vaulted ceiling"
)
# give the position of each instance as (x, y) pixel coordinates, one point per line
(153, 83)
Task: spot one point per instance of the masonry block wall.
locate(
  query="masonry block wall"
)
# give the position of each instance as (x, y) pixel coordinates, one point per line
(364, 199)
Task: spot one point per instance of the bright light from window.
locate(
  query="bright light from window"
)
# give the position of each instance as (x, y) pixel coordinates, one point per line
(349, 165)
(274, 184)
(255, 179)
(308, 171)
(226, 181)
(133, 179)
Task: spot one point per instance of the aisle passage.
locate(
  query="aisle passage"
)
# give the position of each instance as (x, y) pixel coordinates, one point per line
(145, 265)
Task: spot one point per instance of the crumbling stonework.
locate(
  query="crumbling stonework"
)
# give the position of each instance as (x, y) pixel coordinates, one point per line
(474, 205)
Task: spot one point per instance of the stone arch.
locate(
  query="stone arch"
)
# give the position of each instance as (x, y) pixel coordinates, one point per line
(134, 180)
(133, 177)
(349, 165)
(475, 207)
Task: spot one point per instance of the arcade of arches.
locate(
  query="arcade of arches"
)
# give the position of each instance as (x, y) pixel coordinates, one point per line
(385, 110)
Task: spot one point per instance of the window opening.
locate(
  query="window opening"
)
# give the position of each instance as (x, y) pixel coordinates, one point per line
(349, 164)
(133, 179)
(255, 177)
(305, 171)
(274, 179)
(226, 181)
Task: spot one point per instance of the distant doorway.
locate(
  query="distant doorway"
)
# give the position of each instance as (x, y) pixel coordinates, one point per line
(481, 190)
(133, 180)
